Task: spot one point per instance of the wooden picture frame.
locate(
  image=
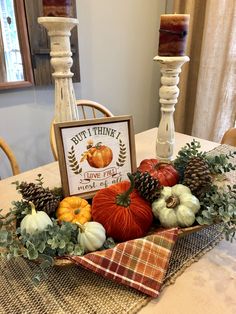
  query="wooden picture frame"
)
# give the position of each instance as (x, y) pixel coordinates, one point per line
(94, 154)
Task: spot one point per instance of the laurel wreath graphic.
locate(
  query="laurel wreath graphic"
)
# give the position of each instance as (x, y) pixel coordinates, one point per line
(73, 162)
(122, 154)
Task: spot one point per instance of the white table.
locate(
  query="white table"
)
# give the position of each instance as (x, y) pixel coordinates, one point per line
(146, 144)
(208, 286)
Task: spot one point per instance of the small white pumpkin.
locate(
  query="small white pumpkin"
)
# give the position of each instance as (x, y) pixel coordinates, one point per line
(176, 207)
(91, 236)
(36, 221)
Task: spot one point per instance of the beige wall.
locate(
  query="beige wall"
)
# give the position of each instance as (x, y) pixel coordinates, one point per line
(117, 42)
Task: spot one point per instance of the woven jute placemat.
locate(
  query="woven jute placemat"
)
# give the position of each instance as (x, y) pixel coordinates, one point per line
(72, 289)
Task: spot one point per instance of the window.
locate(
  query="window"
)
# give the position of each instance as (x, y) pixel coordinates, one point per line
(25, 46)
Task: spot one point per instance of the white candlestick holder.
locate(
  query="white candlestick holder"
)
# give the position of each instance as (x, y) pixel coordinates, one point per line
(59, 31)
(170, 69)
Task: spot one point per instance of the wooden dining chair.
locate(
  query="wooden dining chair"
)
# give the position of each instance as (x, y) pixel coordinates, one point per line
(10, 156)
(229, 137)
(87, 109)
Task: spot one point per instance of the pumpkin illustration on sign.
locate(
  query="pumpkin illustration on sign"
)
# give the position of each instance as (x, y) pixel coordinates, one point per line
(98, 155)
(164, 172)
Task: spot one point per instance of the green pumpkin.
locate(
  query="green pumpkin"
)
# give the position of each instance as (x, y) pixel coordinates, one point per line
(176, 207)
(35, 221)
(91, 236)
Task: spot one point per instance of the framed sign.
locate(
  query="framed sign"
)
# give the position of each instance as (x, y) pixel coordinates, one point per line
(94, 154)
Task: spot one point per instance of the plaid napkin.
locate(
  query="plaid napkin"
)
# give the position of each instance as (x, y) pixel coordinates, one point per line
(140, 263)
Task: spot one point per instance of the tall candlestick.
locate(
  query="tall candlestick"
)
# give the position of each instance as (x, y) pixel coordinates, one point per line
(168, 92)
(173, 34)
(61, 8)
(59, 31)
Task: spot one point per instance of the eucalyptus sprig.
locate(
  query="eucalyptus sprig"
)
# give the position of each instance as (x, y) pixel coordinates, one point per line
(20, 209)
(39, 179)
(220, 163)
(56, 240)
(219, 206)
(185, 153)
(217, 164)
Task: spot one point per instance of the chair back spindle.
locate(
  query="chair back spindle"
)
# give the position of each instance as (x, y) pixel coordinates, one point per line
(229, 137)
(10, 156)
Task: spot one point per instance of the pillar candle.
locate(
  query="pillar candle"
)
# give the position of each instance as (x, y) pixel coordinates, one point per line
(61, 8)
(173, 34)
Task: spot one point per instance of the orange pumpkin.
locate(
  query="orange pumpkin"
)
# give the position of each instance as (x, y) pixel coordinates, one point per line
(74, 209)
(99, 156)
(124, 214)
(164, 172)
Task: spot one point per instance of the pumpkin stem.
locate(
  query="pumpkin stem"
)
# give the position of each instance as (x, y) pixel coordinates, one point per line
(172, 201)
(124, 199)
(33, 209)
(161, 163)
(82, 228)
(98, 145)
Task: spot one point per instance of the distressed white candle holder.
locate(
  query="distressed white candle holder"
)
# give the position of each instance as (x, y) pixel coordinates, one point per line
(170, 69)
(59, 31)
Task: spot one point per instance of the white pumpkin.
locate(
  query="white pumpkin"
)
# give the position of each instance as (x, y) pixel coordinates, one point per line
(176, 207)
(91, 236)
(35, 222)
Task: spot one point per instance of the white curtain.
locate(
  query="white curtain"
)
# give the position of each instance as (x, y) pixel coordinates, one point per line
(207, 102)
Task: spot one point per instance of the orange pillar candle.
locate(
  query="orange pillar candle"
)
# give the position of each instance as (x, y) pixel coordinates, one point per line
(61, 8)
(173, 34)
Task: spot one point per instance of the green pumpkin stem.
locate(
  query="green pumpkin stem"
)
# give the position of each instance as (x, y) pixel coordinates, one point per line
(124, 198)
(77, 211)
(81, 227)
(159, 164)
(33, 209)
(98, 145)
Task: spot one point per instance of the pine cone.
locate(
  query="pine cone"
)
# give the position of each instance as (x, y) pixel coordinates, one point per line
(148, 187)
(197, 176)
(42, 198)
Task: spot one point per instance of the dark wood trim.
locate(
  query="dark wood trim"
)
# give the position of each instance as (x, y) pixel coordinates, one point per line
(13, 85)
(24, 47)
(23, 39)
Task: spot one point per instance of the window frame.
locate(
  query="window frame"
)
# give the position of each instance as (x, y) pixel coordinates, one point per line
(24, 48)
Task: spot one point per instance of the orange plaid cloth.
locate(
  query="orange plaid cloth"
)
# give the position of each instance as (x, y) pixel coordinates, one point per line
(140, 263)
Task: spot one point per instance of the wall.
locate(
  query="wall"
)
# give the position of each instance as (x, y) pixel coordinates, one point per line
(117, 42)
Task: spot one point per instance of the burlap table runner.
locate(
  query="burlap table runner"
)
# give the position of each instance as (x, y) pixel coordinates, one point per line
(72, 289)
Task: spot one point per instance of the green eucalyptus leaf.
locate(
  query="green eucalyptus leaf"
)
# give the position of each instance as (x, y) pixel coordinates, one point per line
(200, 220)
(41, 247)
(36, 279)
(45, 264)
(3, 237)
(61, 252)
(108, 244)
(78, 250)
(62, 244)
(70, 247)
(16, 252)
(32, 253)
